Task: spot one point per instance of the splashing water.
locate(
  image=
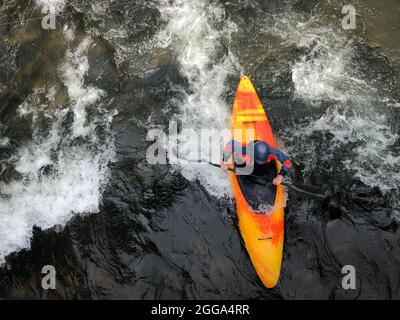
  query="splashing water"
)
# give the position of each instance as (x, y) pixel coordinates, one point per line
(195, 31)
(57, 5)
(60, 174)
(324, 74)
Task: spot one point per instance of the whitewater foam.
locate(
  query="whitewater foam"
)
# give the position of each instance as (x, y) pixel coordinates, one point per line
(58, 176)
(58, 5)
(326, 73)
(194, 31)
(4, 142)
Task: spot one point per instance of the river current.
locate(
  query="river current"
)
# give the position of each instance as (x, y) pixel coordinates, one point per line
(76, 105)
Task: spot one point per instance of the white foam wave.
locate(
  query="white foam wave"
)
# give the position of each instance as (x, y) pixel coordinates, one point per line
(57, 5)
(4, 141)
(327, 71)
(374, 164)
(322, 73)
(58, 177)
(195, 31)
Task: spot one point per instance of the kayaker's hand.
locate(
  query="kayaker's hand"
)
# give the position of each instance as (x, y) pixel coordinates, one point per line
(224, 166)
(278, 180)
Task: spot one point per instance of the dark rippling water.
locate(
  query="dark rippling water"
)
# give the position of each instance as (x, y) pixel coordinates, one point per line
(76, 103)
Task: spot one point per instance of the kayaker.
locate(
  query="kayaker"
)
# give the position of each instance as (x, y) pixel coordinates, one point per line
(263, 154)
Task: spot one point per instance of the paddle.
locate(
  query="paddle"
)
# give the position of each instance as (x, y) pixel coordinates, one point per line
(233, 170)
(308, 190)
(305, 189)
(301, 188)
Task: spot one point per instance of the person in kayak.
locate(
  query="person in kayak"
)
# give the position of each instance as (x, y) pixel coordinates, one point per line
(263, 154)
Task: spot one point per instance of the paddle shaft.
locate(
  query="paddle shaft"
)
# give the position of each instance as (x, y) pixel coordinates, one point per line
(233, 170)
(286, 184)
(299, 189)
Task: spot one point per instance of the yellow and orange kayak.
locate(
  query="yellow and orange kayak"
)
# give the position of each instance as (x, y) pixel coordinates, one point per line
(262, 232)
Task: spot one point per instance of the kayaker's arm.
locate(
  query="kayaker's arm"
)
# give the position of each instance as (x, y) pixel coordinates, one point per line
(226, 155)
(283, 159)
(231, 147)
(286, 165)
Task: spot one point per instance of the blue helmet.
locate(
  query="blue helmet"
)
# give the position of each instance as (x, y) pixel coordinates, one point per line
(261, 152)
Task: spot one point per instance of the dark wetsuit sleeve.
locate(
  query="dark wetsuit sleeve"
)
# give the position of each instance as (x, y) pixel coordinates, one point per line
(227, 151)
(230, 147)
(284, 160)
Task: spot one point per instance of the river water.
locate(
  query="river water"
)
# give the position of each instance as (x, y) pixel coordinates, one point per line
(77, 102)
